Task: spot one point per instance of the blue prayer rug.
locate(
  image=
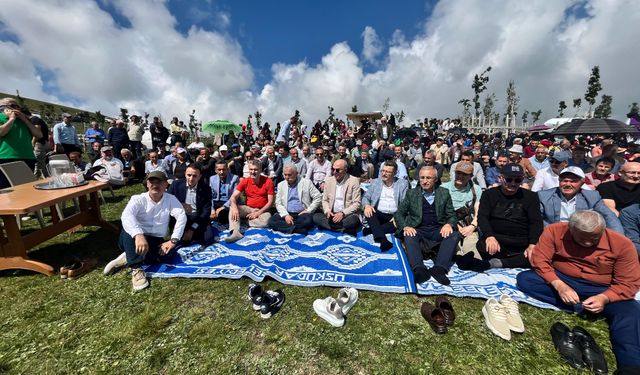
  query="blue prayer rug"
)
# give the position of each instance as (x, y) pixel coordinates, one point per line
(330, 259)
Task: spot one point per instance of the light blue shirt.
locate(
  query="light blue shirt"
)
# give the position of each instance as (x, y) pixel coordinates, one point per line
(294, 205)
(567, 207)
(400, 173)
(63, 133)
(460, 198)
(539, 165)
(430, 197)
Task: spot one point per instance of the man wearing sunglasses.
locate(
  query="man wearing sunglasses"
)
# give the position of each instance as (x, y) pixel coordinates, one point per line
(547, 178)
(340, 201)
(510, 222)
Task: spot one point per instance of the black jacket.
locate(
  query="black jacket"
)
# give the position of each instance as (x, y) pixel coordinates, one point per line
(203, 202)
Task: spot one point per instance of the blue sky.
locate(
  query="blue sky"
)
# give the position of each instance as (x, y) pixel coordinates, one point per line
(230, 58)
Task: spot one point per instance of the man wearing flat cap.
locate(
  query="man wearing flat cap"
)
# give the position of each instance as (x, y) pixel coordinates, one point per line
(510, 223)
(558, 204)
(112, 168)
(145, 222)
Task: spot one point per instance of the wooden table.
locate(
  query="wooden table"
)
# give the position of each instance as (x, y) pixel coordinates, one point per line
(23, 199)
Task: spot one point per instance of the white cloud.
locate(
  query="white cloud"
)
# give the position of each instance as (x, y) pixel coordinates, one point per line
(371, 45)
(151, 66)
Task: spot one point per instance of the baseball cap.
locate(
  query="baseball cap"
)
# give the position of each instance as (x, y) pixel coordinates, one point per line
(223, 148)
(157, 174)
(560, 156)
(106, 148)
(416, 140)
(512, 170)
(235, 145)
(66, 115)
(180, 150)
(464, 167)
(573, 170)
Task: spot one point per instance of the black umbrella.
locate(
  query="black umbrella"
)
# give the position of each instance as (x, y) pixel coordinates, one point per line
(403, 133)
(594, 126)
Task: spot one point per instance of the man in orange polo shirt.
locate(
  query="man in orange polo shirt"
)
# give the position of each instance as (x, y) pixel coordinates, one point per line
(581, 265)
(260, 195)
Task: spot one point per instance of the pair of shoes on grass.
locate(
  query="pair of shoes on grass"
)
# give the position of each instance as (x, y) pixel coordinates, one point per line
(578, 348)
(77, 268)
(503, 316)
(138, 277)
(266, 302)
(334, 310)
(439, 316)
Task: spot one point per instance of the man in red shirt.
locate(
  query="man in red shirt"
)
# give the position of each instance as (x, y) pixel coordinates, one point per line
(260, 195)
(581, 265)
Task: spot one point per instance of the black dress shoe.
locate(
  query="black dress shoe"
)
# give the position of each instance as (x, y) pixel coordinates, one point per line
(442, 302)
(567, 345)
(591, 353)
(434, 317)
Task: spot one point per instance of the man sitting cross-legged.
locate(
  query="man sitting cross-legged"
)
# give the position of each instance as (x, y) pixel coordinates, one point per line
(381, 201)
(259, 192)
(296, 201)
(581, 265)
(195, 196)
(510, 223)
(222, 185)
(340, 201)
(145, 221)
(427, 213)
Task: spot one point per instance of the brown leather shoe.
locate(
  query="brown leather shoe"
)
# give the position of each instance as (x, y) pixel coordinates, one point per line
(434, 316)
(442, 302)
(85, 266)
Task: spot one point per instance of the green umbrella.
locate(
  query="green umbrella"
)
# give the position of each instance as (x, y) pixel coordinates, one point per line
(221, 127)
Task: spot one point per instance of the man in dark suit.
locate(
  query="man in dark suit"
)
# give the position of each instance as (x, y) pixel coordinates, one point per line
(195, 197)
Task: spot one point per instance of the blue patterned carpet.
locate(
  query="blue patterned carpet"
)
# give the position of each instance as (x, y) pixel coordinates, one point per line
(330, 259)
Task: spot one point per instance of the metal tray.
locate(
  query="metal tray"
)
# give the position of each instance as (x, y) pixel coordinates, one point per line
(52, 186)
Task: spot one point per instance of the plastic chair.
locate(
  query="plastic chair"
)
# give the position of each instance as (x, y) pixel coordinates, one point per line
(58, 157)
(18, 173)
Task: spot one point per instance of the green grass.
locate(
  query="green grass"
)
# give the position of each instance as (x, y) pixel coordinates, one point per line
(98, 325)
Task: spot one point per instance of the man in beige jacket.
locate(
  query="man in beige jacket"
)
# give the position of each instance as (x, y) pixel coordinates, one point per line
(340, 201)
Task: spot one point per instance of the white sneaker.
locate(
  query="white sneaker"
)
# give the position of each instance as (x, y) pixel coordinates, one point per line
(347, 297)
(139, 279)
(329, 310)
(495, 316)
(513, 313)
(115, 265)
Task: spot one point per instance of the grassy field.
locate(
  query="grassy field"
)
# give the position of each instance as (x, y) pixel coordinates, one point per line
(98, 325)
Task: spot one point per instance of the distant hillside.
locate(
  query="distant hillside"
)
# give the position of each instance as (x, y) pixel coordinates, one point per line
(51, 113)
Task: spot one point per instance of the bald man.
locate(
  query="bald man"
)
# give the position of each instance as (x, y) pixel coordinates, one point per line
(340, 201)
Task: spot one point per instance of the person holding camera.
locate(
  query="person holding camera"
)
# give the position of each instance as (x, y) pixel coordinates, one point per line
(16, 134)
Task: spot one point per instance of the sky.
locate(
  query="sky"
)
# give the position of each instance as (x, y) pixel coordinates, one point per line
(230, 58)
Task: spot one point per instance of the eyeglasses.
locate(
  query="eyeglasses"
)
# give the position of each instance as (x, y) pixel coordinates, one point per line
(336, 169)
(510, 180)
(319, 154)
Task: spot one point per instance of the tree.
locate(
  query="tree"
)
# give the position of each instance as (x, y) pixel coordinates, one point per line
(332, 117)
(99, 117)
(124, 113)
(479, 85)
(489, 104)
(561, 107)
(593, 87)
(258, 117)
(296, 115)
(400, 116)
(354, 108)
(604, 109)
(386, 105)
(535, 116)
(146, 117)
(512, 101)
(577, 103)
(525, 114)
(466, 106)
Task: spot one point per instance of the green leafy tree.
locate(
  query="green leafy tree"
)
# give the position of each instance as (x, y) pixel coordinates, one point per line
(593, 87)
(386, 105)
(535, 116)
(561, 107)
(296, 115)
(479, 85)
(249, 122)
(525, 114)
(332, 116)
(577, 103)
(400, 116)
(354, 108)
(258, 117)
(513, 101)
(99, 117)
(124, 113)
(604, 109)
(466, 107)
(489, 104)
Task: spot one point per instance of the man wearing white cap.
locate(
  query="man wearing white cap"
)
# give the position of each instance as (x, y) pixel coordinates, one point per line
(558, 204)
(178, 167)
(515, 156)
(112, 171)
(547, 178)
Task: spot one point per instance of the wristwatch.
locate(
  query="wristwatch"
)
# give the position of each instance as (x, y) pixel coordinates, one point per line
(174, 241)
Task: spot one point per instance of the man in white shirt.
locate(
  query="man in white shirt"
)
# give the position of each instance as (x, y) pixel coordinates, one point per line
(113, 168)
(145, 221)
(547, 178)
(319, 169)
(340, 201)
